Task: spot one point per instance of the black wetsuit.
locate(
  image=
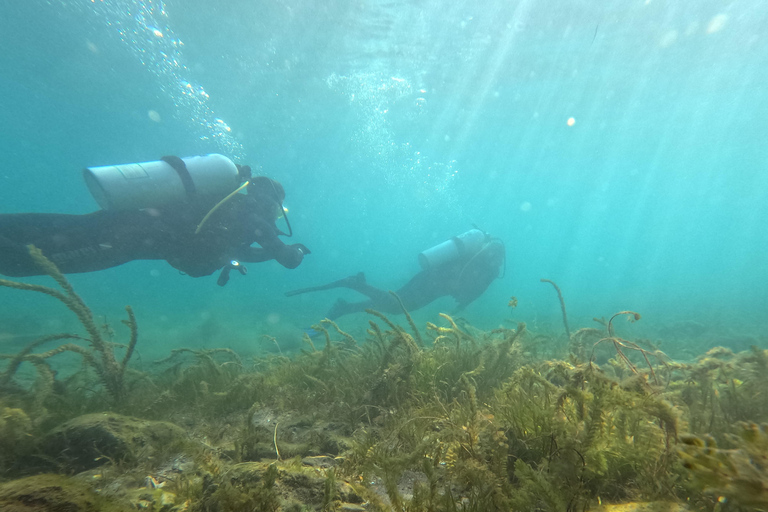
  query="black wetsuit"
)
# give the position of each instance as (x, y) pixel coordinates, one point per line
(464, 279)
(104, 239)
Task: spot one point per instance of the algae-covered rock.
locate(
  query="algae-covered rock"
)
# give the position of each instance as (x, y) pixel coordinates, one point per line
(156, 499)
(45, 493)
(272, 486)
(296, 436)
(94, 439)
(15, 440)
(651, 506)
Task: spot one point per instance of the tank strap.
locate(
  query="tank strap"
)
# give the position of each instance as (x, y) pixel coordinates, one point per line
(181, 169)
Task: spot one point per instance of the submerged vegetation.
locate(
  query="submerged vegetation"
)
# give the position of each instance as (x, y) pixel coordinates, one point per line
(447, 418)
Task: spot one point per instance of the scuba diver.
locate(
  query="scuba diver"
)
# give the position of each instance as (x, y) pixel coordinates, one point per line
(187, 211)
(462, 267)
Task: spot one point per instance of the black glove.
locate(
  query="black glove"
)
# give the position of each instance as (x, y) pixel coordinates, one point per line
(293, 255)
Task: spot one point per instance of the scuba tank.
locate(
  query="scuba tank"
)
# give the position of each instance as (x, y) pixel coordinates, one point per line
(165, 181)
(457, 247)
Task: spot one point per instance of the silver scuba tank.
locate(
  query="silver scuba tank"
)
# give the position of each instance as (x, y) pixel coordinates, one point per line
(161, 182)
(464, 244)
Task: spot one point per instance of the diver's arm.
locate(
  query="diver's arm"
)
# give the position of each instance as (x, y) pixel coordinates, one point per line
(253, 255)
(289, 256)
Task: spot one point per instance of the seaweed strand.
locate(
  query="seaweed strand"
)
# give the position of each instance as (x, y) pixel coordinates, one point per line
(17, 359)
(109, 370)
(562, 305)
(408, 317)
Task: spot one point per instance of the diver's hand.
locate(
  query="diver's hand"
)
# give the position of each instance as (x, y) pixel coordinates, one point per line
(293, 255)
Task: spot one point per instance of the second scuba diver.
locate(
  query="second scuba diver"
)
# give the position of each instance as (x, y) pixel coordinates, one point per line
(462, 267)
(185, 211)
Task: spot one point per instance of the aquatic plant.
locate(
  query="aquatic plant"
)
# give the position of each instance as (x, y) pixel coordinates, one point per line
(740, 474)
(498, 432)
(408, 318)
(722, 389)
(453, 418)
(562, 306)
(189, 380)
(101, 356)
(587, 336)
(235, 490)
(620, 345)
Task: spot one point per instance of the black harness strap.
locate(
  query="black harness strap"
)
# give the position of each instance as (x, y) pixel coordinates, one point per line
(181, 169)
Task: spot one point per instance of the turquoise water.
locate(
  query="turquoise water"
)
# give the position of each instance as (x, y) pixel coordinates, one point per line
(395, 125)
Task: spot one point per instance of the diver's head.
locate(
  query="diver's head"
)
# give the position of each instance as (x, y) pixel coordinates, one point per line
(493, 253)
(489, 261)
(266, 187)
(270, 194)
(498, 251)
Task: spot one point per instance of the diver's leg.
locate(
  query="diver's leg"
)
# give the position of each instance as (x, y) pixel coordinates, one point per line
(341, 307)
(381, 300)
(17, 232)
(85, 243)
(422, 289)
(15, 260)
(74, 243)
(346, 282)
